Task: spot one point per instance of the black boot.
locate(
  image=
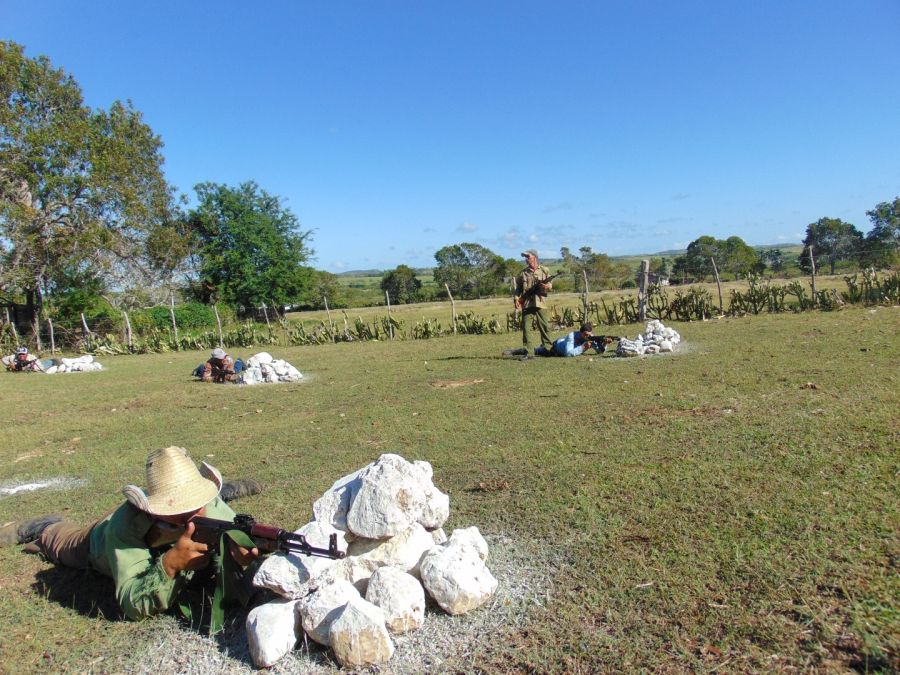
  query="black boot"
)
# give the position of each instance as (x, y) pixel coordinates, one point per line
(522, 351)
(26, 531)
(241, 487)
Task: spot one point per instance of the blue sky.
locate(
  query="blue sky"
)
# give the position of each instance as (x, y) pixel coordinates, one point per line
(392, 129)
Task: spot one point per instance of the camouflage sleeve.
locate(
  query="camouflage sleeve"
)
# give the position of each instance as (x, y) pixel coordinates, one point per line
(142, 586)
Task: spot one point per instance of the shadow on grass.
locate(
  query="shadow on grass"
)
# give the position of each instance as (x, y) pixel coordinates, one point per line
(474, 358)
(84, 591)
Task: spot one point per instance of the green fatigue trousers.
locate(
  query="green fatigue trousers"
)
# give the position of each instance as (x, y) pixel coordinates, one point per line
(543, 327)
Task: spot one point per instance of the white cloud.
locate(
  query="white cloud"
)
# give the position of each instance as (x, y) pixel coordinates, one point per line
(467, 227)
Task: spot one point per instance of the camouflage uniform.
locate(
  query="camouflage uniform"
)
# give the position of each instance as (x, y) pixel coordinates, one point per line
(534, 305)
(218, 370)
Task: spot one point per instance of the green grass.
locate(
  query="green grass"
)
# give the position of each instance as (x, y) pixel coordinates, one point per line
(731, 507)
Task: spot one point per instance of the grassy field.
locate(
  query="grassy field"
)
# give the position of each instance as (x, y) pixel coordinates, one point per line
(732, 507)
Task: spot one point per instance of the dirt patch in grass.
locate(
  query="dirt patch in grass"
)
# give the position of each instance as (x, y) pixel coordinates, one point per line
(453, 384)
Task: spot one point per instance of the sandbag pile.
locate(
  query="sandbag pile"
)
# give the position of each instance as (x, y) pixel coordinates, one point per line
(80, 364)
(656, 338)
(388, 518)
(262, 368)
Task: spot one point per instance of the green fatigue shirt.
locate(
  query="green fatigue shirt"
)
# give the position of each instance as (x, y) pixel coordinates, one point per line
(118, 550)
(528, 278)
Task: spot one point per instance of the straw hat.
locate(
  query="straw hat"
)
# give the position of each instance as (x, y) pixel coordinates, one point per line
(174, 484)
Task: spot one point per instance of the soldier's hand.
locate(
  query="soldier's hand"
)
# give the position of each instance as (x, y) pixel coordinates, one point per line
(185, 554)
(243, 556)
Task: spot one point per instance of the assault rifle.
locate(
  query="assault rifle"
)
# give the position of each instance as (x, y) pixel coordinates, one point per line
(531, 292)
(600, 341)
(266, 537)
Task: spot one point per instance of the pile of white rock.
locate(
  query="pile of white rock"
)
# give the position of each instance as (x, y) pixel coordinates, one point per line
(80, 364)
(656, 338)
(388, 518)
(262, 368)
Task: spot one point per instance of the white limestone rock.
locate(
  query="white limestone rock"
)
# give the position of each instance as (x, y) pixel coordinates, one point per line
(439, 536)
(630, 347)
(401, 598)
(359, 637)
(262, 367)
(318, 610)
(395, 494)
(404, 550)
(283, 574)
(457, 578)
(290, 575)
(272, 631)
(436, 509)
(79, 364)
(470, 536)
(332, 507)
(389, 501)
(259, 359)
(356, 570)
(656, 338)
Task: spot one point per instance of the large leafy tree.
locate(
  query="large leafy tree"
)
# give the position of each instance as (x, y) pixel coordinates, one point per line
(882, 243)
(401, 284)
(696, 260)
(732, 255)
(741, 259)
(469, 270)
(82, 191)
(601, 271)
(774, 259)
(249, 247)
(831, 240)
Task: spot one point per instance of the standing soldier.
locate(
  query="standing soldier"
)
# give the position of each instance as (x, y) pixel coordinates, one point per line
(534, 275)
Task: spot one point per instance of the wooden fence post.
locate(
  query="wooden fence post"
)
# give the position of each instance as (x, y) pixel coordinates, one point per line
(812, 266)
(128, 337)
(36, 329)
(452, 307)
(330, 322)
(584, 299)
(12, 327)
(718, 283)
(642, 290)
(218, 324)
(52, 337)
(172, 315)
(266, 315)
(86, 331)
(387, 299)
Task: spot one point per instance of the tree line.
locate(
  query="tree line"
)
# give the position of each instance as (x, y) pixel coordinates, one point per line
(88, 224)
